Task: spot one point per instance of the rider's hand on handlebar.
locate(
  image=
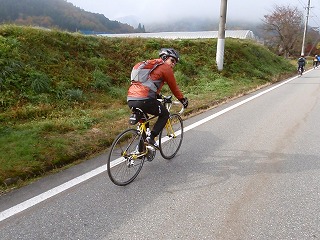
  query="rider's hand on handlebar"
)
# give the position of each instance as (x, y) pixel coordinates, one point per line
(184, 102)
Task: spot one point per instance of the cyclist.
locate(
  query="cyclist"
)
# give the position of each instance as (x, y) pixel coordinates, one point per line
(144, 95)
(301, 63)
(315, 61)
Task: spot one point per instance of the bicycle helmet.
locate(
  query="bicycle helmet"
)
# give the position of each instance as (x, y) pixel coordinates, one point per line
(169, 52)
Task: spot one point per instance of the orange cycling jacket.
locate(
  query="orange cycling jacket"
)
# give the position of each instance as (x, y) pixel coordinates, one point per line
(160, 75)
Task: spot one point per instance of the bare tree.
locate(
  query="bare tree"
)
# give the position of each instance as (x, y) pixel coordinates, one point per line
(283, 30)
(312, 42)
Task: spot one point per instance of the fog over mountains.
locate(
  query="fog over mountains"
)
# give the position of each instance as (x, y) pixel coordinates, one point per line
(66, 16)
(192, 24)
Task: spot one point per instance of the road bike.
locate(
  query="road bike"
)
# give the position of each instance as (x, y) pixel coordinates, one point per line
(130, 149)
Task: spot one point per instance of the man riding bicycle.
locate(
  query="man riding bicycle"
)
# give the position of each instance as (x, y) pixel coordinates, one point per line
(143, 93)
(301, 63)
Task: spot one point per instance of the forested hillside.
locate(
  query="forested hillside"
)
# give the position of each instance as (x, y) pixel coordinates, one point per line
(58, 14)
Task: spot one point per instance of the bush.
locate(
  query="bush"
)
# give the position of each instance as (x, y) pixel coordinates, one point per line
(75, 95)
(40, 82)
(101, 81)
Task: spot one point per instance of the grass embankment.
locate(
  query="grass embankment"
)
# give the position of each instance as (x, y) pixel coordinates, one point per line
(63, 96)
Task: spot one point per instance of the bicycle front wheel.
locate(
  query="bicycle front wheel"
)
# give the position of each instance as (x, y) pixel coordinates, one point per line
(125, 158)
(170, 138)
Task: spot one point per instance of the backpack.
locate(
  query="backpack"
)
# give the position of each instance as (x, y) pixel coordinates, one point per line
(141, 71)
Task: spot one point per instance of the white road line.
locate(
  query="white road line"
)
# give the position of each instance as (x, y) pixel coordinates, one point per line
(50, 193)
(54, 191)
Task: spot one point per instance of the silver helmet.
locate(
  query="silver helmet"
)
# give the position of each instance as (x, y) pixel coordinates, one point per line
(169, 52)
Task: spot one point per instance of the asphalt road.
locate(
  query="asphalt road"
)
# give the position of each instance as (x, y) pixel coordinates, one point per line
(250, 170)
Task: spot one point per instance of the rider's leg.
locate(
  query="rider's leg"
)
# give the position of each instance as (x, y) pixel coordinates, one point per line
(157, 109)
(153, 107)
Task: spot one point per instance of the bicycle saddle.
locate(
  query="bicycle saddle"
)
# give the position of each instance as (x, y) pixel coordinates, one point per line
(136, 115)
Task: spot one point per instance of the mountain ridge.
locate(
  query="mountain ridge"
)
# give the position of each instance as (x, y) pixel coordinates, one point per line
(58, 14)
(64, 15)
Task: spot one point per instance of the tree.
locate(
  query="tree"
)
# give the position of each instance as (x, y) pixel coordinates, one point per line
(283, 30)
(141, 28)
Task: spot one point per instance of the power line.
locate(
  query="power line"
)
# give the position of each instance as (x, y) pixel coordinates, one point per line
(313, 16)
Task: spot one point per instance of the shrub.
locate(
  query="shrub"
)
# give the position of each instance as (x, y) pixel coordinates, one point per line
(9, 63)
(182, 79)
(100, 80)
(75, 95)
(118, 93)
(40, 82)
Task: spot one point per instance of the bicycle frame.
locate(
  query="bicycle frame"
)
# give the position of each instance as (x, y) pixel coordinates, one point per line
(142, 126)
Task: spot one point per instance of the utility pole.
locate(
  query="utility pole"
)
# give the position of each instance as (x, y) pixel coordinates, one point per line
(221, 35)
(305, 29)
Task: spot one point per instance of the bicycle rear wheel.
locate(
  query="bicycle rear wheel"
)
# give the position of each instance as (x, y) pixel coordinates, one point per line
(125, 159)
(171, 136)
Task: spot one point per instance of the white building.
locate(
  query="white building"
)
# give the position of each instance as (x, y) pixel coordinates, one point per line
(241, 34)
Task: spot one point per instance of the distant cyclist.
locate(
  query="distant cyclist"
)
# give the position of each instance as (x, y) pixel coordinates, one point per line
(315, 61)
(301, 64)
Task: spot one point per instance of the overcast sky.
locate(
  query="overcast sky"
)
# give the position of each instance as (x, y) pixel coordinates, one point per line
(157, 11)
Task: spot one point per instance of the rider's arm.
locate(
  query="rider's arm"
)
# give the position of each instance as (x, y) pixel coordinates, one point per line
(171, 81)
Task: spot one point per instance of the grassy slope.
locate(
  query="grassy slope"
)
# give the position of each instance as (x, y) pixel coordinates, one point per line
(62, 96)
